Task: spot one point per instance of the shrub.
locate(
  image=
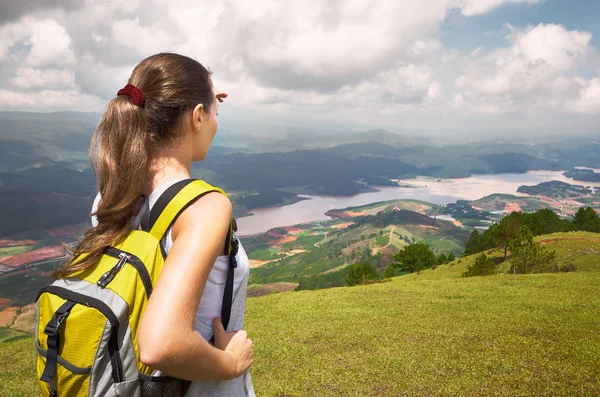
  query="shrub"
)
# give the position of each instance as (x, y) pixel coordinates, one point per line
(362, 273)
(530, 257)
(483, 266)
(415, 257)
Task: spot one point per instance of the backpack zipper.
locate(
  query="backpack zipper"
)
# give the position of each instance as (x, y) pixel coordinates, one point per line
(113, 342)
(126, 257)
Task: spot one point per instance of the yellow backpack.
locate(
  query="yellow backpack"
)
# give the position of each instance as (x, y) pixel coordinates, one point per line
(87, 324)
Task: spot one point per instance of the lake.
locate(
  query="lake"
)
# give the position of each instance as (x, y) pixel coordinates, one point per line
(429, 190)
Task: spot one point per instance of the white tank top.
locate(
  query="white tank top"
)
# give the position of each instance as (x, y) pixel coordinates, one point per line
(212, 297)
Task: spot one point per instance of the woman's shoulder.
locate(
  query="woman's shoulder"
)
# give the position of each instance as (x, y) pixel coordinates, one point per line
(213, 211)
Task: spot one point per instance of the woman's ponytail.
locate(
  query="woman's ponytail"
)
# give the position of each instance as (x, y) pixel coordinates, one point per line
(141, 120)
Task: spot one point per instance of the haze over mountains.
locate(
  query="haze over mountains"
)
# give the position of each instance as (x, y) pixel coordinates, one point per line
(44, 163)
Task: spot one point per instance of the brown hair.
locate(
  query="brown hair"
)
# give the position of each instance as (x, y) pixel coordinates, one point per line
(128, 137)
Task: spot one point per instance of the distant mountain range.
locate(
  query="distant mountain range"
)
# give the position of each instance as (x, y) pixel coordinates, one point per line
(44, 165)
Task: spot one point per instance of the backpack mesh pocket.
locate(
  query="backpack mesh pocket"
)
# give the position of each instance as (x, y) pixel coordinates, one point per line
(162, 386)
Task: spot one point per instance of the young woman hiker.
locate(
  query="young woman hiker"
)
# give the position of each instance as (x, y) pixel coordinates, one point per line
(162, 121)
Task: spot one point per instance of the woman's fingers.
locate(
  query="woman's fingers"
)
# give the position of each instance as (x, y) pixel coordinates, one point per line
(221, 96)
(240, 348)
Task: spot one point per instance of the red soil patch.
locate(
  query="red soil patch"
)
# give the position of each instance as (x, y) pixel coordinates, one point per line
(344, 214)
(282, 287)
(292, 230)
(34, 256)
(342, 225)
(477, 208)
(12, 243)
(358, 213)
(7, 316)
(512, 207)
(273, 234)
(338, 214)
(66, 231)
(284, 240)
(556, 240)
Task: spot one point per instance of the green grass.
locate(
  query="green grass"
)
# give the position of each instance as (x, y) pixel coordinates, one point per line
(382, 240)
(18, 374)
(19, 249)
(532, 335)
(429, 334)
(264, 255)
(9, 334)
(303, 241)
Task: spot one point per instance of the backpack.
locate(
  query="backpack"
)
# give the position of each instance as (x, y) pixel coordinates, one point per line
(87, 324)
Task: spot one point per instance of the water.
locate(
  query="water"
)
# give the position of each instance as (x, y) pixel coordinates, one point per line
(429, 190)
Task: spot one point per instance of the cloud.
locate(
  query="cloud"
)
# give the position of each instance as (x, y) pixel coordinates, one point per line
(588, 101)
(477, 7)
(342, 58)
(27, 78)
(48, 100)
(537, 70)
(12, 10)
(50, 45)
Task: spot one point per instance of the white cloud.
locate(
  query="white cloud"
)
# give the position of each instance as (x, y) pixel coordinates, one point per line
(476, 7)
(49, 100)
(537, 70)
(50, 45)
(43, 78)
(335, 57)
(588, 101)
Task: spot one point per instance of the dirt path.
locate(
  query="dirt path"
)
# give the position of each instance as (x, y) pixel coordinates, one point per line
(25, 321)
(256, 263)
(376, 250)
(555, 240)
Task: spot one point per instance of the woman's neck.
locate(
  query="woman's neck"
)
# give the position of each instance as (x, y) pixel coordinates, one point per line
(166, 169)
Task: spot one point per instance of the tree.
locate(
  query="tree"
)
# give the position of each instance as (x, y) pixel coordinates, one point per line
(508, 229)
(442, 258)
(473, 244)
(529, 257)
(451, 257)
(415, 257)
(483, 266)
(587, 220)
(361, 273)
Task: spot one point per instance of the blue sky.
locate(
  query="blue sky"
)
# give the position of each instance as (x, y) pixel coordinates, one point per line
(468, 33)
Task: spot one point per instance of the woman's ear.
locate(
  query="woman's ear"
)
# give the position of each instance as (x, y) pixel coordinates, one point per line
(198, 117)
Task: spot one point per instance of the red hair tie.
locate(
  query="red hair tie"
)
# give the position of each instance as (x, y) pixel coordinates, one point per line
(137, 96)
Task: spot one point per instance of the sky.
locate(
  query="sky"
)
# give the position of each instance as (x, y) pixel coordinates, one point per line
(439, 66)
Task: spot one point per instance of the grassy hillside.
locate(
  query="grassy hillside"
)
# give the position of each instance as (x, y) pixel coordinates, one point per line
(434, 334)
(371, 233)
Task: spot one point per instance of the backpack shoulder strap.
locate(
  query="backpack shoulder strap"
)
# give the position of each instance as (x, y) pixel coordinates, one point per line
(166, 210)
(172, 203)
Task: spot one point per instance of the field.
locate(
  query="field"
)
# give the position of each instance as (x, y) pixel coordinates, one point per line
(15, 250)
(428, 334)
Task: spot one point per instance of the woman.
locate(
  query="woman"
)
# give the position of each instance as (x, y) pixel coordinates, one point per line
(164, 119)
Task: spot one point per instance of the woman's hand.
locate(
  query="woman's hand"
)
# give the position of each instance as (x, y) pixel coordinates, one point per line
(236, 344)
(221, 96)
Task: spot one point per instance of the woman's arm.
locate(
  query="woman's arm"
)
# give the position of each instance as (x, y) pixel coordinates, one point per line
(166, 338)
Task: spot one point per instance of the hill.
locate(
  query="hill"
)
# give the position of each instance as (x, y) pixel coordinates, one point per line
(433, 334)
(316, 255)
